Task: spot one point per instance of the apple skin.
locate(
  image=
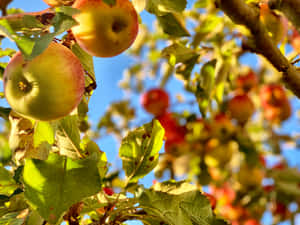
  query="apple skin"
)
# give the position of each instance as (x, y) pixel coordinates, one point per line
(48, 87)
(155, 101)
(241, 108)
(104, 30)
(55, 3)
(275, 103)
(246, 82)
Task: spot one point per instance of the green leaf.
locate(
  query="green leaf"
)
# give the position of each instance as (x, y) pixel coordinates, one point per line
(177, 204)
(5, 152)
(207, 76)
(33, 40)
(25, 44)
(43, 138)
(7, 183)
(182, 54)
(139, 150)
(172, 25)
(68, 136)
(85, 59)
(52, 186)
(11, 219)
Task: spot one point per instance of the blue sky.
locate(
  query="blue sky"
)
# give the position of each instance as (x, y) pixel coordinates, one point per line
(109, 72)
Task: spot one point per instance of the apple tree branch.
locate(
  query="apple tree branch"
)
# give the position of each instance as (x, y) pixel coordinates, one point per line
(241, 13)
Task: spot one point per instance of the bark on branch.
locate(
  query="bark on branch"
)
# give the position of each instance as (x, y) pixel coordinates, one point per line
(241, 13)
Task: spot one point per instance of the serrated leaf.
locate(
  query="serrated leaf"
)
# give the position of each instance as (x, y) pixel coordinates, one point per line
(11, 219)
(139, 150)
(68, 137)
(7, 183)
(172, 25)
(53, 185)
(177, 207)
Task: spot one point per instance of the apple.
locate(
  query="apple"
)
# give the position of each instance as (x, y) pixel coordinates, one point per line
(155, 101)
(295, 40)
(275, 24)
(249, 176)
(222, 127)
(246, 82)
(105, 30)
(275, 103)
(46, 88)
(174, 132)
(251, 222)
(55, 3)
(109, 191)
(241, 108)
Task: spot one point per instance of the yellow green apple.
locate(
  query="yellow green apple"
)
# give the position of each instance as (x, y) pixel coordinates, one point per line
(105, 30)
(46, 88)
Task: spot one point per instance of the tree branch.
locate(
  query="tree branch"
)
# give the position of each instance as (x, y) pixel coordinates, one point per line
(241, 13)
(290, 8)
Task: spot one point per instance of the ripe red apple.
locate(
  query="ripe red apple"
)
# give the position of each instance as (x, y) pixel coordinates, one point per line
(251, 222)
(48, 87)
(155, 101)
(275, 103)
(55, 3)
(241, 108)
(105, 30)
(246, 82)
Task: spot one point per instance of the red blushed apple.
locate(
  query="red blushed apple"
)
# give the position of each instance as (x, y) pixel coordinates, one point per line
(105, 30)
(155, 101)
(46, 88)
(55, 3)
(246, 82)
(295, 40)
(241, 108)
(272, 95)
(275, 103)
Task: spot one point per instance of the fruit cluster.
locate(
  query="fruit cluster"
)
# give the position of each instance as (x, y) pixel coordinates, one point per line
(37, 89)
(220, 143)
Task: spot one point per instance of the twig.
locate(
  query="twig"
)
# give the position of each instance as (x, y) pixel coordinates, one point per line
(241, 13)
